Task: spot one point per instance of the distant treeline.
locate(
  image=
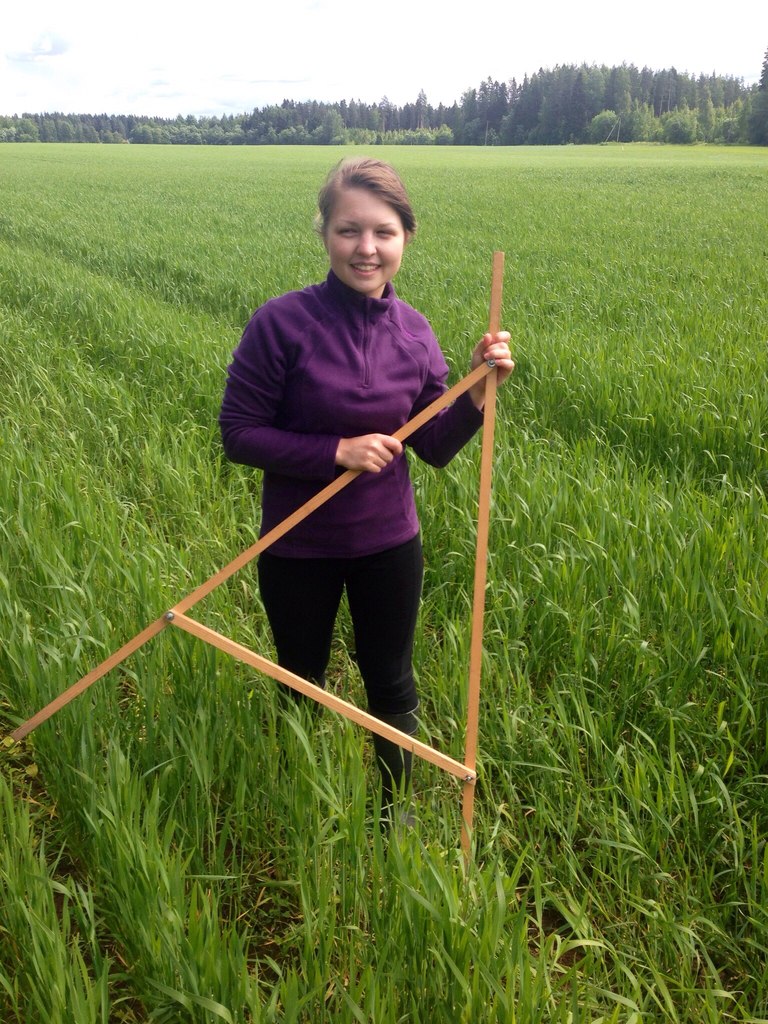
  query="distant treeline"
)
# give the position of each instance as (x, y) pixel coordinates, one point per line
(568, 104)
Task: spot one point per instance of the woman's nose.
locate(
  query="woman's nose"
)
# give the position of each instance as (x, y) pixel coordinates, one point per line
(366, 242)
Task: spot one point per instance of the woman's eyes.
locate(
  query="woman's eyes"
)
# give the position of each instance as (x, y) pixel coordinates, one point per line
(383, 233)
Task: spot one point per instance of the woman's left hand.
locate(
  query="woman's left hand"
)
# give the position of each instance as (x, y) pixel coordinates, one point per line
(495, 347)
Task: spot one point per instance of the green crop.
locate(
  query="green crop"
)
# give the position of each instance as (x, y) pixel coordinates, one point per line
(181, 844)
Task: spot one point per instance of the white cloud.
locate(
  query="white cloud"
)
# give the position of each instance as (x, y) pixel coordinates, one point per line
(46, 45)
(168, 58)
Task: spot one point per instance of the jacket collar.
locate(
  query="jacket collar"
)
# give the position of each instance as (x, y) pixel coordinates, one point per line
(350, 298)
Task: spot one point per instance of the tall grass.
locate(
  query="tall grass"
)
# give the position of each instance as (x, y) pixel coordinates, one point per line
(181, 844)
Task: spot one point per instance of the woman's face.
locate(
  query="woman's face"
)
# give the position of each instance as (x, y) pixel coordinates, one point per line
(364, 239)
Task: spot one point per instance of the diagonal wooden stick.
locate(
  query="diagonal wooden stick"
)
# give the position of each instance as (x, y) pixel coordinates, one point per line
(329, 700)
(88, 680)
(481, 561)
(242, 559)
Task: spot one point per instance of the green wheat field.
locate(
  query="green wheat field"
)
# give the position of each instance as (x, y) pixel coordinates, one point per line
(178, 844)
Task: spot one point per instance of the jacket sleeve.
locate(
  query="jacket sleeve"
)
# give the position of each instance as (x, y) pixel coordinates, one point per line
(446, 433)
(250, 411)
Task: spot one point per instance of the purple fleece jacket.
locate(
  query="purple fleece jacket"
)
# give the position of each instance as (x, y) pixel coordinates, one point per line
(320, 364)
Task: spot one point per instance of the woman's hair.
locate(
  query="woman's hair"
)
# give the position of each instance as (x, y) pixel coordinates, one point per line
(373, 175)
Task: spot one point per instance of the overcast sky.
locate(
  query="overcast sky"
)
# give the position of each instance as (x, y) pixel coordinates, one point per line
(165, 57)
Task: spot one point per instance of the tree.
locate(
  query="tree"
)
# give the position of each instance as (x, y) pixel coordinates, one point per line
(594, 88)
(603, 126)
(523, 116)
(640, 125)
(47, 129)
(706, 109)
(332, 131)
(757, 121)
(27, 131)
(557, 122)
(680, 126)
(387, 114)
(422, 107)
(492, 103)
(664, 91)
(618, 92)
(576, 115)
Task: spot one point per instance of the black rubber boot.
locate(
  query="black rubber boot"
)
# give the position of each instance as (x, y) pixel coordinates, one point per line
(395, 766)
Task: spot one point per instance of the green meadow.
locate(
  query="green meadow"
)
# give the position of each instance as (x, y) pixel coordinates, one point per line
(178, 844)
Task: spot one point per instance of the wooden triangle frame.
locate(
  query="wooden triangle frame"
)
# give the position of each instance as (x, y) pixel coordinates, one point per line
(177, 616)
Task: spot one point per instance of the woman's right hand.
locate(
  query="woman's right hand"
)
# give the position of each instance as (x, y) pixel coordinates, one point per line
(369, 453)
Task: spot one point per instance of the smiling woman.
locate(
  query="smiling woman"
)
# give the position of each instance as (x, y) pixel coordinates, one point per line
(365, 220)
(320, 383)
(364, 240)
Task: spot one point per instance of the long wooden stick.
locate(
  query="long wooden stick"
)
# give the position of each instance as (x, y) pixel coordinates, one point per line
(88, 680)
(242, 559)
(481, 560)
(323, 697)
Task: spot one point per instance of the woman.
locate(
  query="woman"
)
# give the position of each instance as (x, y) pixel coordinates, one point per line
(320, 381)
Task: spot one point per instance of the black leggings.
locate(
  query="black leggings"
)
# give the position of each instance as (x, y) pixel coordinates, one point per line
(302, 596)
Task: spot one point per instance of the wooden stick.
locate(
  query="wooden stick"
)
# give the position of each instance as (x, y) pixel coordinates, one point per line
(323, 697)
(242, 559)
(82, 684)
(481, 560)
